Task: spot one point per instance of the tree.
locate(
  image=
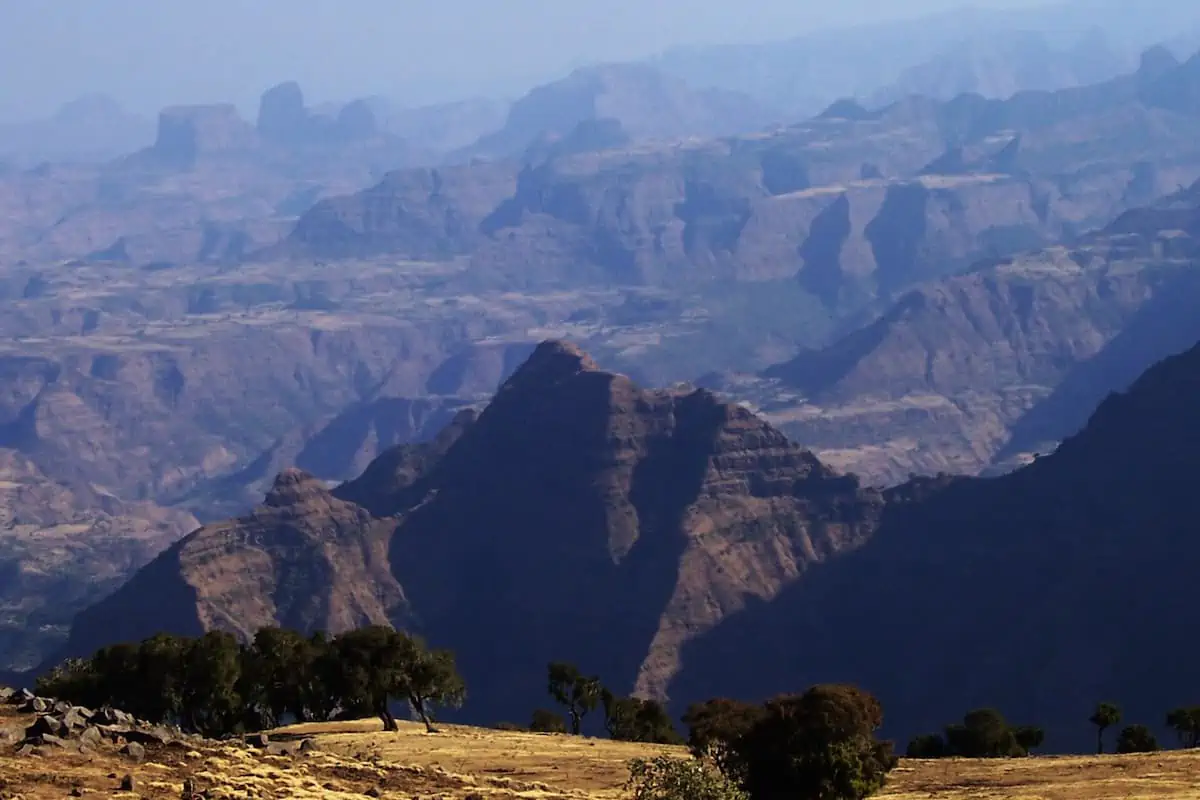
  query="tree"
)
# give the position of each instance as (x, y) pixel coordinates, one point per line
(1029, 737)
(1105, 716)
(366, 670)
(667, 778)
(984, 733)
(930, 745)
(1186, 724)
(714, 725)
(821, 744)
(574, 691)
(1136, 739)
(429, 678)
(277, 674)
(632, 719)
(212, 668)
(547, 721)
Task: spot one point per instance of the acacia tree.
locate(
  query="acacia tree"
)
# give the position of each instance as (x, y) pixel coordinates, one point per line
(576, 692)
(1105, 716)
(430, 678)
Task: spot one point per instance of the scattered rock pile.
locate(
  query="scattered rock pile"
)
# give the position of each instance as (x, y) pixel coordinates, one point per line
(58, 724)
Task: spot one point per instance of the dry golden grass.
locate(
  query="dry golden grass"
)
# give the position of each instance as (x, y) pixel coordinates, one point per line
(355, 760)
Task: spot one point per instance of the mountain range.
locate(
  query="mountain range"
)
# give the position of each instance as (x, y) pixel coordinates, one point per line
(650, 534)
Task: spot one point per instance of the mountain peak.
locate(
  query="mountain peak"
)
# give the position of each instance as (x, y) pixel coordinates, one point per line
(552, 361)
(291, 486)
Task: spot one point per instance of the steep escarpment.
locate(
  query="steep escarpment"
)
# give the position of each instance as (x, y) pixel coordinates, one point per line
(304, 559)
(649, 515)
(1035, 593)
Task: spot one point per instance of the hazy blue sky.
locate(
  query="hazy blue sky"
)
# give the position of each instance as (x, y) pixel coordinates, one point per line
(150, 53)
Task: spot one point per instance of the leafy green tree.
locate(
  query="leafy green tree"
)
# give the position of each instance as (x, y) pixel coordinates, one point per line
(1029, 738)
(667, 778)
(212, 667)
(928, 746)
(74, 680)
(632, 719)
(821, 744)
(161, 667)
(364, 667)
(547, 721)
(713, 727)
(1136, 739)
(430, 678)
(984, 733)
(1185, 722)
(278, 666)
(1104, 717)
(571, 689)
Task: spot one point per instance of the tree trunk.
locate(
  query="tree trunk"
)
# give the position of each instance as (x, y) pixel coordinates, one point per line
(1100, 741)
(389, 722)
(576, 719)
(419, 704)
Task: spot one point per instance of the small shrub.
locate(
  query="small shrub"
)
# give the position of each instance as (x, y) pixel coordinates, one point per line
(547, 721)
(928, 746)
(1136, 739)
(666, 778)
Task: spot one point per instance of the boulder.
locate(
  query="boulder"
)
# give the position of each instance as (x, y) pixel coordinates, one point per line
(91, 737)
(134, 751)
(76, 718)
(6, 694)
(257, 739)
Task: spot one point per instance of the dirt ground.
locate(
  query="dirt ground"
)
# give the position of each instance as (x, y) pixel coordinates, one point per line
(357, 760)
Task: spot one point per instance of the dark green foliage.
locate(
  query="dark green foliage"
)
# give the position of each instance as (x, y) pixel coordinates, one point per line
(1029, 737)
(214, 685)
(666, 778)
(1136, 739)
(1105, 716)
(547, 721)
(632, 719)
(984, 733)
(930, 745)
(714, 725)
(820, 744)
(571, 689)
(1186, 724)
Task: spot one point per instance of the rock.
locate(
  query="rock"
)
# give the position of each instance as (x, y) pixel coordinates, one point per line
(108, 715)
(127, 783)
(308, 746)
(76, 718)
(6, 694)
(135, 751)
(91, 736)
(281, 749)
(49, 740)
(27, 750)
(60, 706)
(46, 725)
(373, 792)
(257, 739)
(77, 792)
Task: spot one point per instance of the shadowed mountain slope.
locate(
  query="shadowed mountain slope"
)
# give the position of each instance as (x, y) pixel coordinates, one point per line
(1037, 593)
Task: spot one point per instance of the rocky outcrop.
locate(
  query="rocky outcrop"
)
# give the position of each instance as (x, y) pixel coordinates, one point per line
(652, 514)
(284, 120)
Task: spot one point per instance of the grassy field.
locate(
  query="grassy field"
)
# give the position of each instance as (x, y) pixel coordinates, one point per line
(356, 760)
